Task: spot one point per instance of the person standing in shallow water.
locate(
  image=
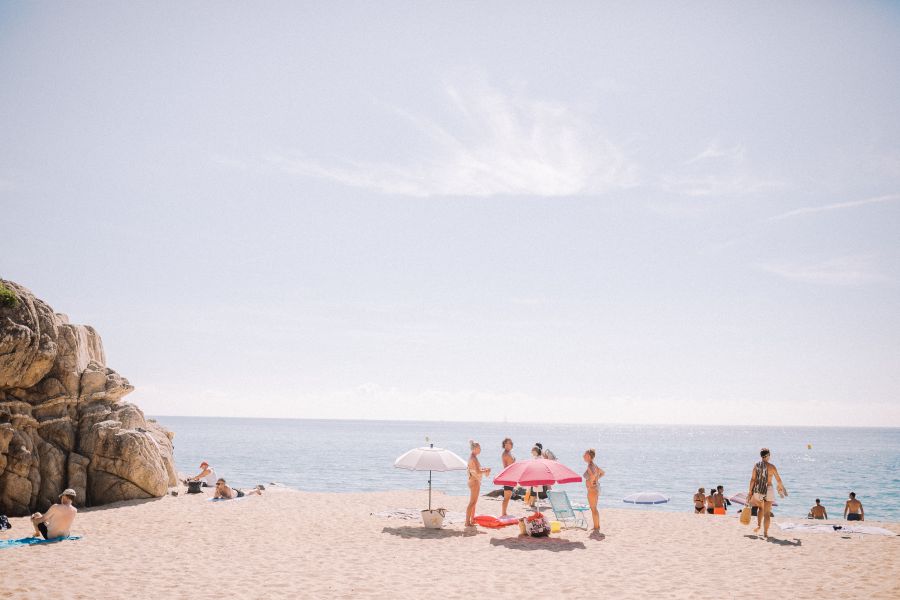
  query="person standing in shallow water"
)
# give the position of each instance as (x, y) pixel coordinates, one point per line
(592, 480)
(761, 492)
(508, 459)
(853, 509)
(476, 472)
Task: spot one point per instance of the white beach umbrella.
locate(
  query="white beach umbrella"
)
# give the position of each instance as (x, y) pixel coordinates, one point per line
(430, 459)
(646, 498)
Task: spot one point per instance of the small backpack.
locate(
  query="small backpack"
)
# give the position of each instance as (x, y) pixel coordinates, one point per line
(4, 523)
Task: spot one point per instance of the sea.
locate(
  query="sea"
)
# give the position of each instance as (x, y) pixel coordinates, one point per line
(358, 456)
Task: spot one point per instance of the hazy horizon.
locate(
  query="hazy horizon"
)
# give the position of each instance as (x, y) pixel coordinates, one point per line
(584, 212)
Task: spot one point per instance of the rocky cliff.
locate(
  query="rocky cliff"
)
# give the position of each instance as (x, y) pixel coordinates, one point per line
(63, 422)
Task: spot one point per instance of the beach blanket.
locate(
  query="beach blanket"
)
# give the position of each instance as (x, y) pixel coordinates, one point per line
(33, 541)
(825, 528)
(415, 514)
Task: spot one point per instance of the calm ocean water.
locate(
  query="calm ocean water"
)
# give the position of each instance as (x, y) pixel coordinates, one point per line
(350, 456)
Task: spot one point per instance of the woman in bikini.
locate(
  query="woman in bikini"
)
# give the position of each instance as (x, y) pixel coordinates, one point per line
(592, 480)
(476, 472)
(700, 501)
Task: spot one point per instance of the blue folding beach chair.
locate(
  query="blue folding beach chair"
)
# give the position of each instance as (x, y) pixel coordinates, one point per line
(565, 512)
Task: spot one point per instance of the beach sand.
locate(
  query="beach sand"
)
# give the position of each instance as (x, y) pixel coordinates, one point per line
(308, 545)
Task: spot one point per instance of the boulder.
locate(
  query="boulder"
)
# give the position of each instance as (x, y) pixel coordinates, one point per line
(63, 421)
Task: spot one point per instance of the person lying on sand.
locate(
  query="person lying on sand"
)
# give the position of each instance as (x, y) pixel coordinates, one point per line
(818, 511)
(224, 491)
(853, 509)
(207, 475)
(58, 519)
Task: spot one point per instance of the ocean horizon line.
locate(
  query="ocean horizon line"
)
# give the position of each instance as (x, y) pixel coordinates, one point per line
(549, 423)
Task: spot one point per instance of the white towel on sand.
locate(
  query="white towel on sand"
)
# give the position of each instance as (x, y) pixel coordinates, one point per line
(825, 528)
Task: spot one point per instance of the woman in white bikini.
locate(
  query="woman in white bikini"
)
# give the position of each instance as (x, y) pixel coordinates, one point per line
(476, 472)
(592, 480)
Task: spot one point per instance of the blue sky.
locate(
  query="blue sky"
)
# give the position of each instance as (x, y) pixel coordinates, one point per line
(571, 212)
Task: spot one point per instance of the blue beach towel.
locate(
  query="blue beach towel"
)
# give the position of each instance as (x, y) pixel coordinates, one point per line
(33, 541)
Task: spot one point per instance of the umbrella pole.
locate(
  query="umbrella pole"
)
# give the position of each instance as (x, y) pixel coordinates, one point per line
(429, 490)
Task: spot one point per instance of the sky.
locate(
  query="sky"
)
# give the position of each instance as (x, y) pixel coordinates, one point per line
(527, 211)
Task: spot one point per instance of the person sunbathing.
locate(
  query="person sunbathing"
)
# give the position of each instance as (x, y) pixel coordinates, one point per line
(58, 519)
(226, 492)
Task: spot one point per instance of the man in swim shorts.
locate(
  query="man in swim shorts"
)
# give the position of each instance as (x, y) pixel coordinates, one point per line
(853, 509)
(58, 519)
(508, 459)
(818, 511)
(761, 492)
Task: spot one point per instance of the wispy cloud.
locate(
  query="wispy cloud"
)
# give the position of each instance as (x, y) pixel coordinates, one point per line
(718, 171)
(808, 210)
(494, 144)
(841, 271)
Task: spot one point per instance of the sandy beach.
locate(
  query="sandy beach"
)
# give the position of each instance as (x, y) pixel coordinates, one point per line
(309, 545)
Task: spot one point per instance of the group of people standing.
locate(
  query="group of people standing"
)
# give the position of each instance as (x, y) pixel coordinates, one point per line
(715, 503)
(591, 476)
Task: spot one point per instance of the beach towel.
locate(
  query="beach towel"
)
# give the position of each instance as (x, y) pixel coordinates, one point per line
(226, 499)
(415, 514)
(493, 522)
(33, 541)
(825, 528)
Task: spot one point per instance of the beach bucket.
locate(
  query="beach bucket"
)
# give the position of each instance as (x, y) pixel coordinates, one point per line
(433, 519)
(555, 526)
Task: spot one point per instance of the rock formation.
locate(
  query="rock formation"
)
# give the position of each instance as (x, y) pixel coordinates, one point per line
(63, 422)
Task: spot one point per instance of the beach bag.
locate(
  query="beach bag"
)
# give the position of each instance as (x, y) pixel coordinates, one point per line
(745, 515)
(536, 526)
(4, 523)
(195, 487)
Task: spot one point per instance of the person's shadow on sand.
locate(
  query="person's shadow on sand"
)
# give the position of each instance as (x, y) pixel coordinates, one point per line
(524, 542)
(795, 544)
(421, 533)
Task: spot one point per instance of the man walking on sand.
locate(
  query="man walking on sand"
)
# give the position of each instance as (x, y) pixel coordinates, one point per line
(508, 459)
(58, 519)
(853, 509)
(761, 493)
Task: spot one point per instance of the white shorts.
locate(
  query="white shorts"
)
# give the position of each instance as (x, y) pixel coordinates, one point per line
(769, 497)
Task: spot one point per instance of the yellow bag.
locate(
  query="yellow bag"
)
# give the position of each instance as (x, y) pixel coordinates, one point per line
(745, 515)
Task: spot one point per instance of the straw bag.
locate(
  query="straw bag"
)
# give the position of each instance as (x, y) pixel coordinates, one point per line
(745, 515)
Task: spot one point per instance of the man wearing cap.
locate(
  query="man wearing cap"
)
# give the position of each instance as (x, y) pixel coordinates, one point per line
(207, 475)
(58, 519)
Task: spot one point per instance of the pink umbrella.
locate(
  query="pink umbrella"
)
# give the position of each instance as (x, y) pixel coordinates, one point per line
(537, 471)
